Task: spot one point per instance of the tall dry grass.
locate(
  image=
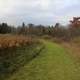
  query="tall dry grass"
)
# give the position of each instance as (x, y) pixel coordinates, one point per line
(8, 41)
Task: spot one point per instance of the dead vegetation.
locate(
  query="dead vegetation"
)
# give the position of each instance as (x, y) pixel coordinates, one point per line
(8, 41)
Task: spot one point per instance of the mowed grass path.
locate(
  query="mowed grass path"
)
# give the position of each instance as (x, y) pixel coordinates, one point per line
(53, 63)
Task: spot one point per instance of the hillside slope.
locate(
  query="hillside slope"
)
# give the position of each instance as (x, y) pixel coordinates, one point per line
(53, 63)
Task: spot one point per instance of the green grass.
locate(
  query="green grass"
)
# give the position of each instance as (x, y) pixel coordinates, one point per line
(12, 59)
(53, 63)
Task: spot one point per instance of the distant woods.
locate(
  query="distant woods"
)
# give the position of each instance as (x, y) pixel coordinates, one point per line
(59, 31)
(4, 28)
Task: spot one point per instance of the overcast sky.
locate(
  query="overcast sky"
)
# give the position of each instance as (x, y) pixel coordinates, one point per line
(45, 12)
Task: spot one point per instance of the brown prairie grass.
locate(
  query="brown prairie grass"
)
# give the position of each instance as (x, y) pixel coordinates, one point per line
(7, 41)
(73, 48)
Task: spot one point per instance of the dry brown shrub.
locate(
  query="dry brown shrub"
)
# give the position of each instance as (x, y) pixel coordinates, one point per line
(14, 41)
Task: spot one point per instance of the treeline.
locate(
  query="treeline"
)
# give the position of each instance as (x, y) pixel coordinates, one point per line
(58, 31)
(4, 28)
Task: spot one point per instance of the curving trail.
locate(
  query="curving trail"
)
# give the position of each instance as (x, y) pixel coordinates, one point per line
(53, 63)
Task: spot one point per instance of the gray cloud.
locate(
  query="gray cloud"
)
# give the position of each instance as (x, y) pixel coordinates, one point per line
(38, 11)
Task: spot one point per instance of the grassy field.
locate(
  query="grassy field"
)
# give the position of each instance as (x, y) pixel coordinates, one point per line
(15, 52)
(53, 63)
(14, 59)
